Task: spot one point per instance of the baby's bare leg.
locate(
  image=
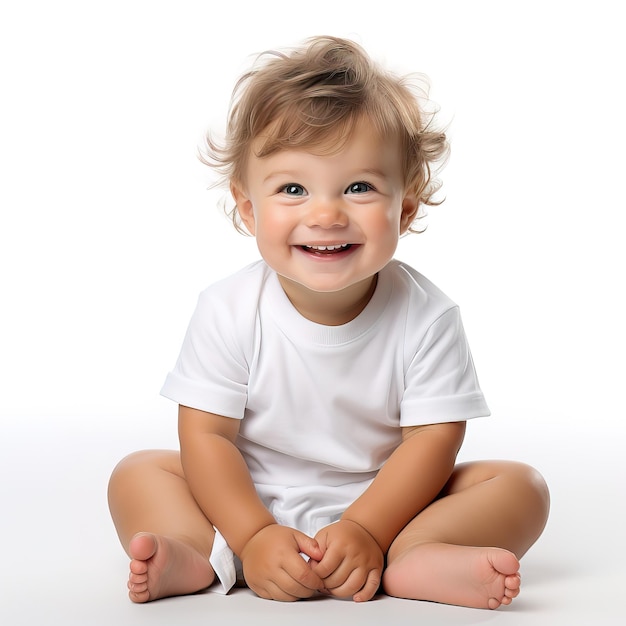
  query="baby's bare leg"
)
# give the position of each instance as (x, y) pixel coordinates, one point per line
(463, 549)
(161, 527)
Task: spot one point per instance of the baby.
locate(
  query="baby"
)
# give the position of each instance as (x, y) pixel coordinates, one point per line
(323, 391)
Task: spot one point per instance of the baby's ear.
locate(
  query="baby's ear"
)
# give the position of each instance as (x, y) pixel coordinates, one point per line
(410, 207)
(243, 206)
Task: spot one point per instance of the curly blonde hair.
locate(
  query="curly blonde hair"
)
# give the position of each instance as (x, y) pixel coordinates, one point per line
(312, 97)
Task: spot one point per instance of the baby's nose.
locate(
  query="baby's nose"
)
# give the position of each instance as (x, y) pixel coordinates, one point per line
(327, 213)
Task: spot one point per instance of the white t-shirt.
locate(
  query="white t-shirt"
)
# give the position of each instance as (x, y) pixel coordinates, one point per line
(322, 406)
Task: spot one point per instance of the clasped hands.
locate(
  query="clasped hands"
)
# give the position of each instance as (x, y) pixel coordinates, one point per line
(344, 561)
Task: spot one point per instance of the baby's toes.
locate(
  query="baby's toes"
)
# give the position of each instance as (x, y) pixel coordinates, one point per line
(138, 567)
(138, 593)
(137, 584)
(138, 579)
(512, 586)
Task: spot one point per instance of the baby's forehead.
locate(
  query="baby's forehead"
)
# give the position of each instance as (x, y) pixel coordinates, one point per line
(363, 153)
(285, 135)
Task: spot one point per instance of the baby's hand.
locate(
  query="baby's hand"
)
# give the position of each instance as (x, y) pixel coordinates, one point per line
(353, 562)
(274, 568)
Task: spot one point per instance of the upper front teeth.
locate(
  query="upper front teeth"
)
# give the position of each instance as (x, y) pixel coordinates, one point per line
(343, 245)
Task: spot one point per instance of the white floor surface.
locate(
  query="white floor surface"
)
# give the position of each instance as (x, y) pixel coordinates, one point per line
(62, 564)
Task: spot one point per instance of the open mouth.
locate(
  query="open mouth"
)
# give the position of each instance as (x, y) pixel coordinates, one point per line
(327, 250)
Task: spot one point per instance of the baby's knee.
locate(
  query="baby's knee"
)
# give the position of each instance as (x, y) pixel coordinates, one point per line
(531, 483)
(138, 463)
(132, 461)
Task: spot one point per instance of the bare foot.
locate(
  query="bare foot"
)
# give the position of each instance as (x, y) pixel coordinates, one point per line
(482, 578)
(163, 566)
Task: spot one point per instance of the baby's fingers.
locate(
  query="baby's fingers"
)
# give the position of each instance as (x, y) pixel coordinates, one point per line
(309, 546)
(272, 591)
(303, 581)
(328, 565)
(359, 584)
(288, 585)
(345, 583)
(370, 588)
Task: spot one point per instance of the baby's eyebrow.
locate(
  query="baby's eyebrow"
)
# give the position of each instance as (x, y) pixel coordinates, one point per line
(355, 175)
(374, 171)
(282, 174)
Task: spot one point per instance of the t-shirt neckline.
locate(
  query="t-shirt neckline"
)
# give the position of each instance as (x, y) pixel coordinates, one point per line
(293, 323)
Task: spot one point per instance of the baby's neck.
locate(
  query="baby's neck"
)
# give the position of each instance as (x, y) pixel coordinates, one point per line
(330, 308)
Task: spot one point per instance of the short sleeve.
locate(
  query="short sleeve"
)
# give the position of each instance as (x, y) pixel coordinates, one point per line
(211, 373)
(441, 384)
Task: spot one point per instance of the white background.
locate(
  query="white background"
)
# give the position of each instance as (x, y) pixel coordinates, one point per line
(108, 231)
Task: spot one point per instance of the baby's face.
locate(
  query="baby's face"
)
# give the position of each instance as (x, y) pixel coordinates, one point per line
(328, 222)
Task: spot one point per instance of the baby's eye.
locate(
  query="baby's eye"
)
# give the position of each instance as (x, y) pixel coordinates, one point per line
(293, 189)
(359, 188)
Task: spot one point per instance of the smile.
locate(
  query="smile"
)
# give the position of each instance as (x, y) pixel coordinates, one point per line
(327, 249)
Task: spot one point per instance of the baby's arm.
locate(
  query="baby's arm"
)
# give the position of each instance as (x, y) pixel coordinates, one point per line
(221, 484)
(410, 480)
